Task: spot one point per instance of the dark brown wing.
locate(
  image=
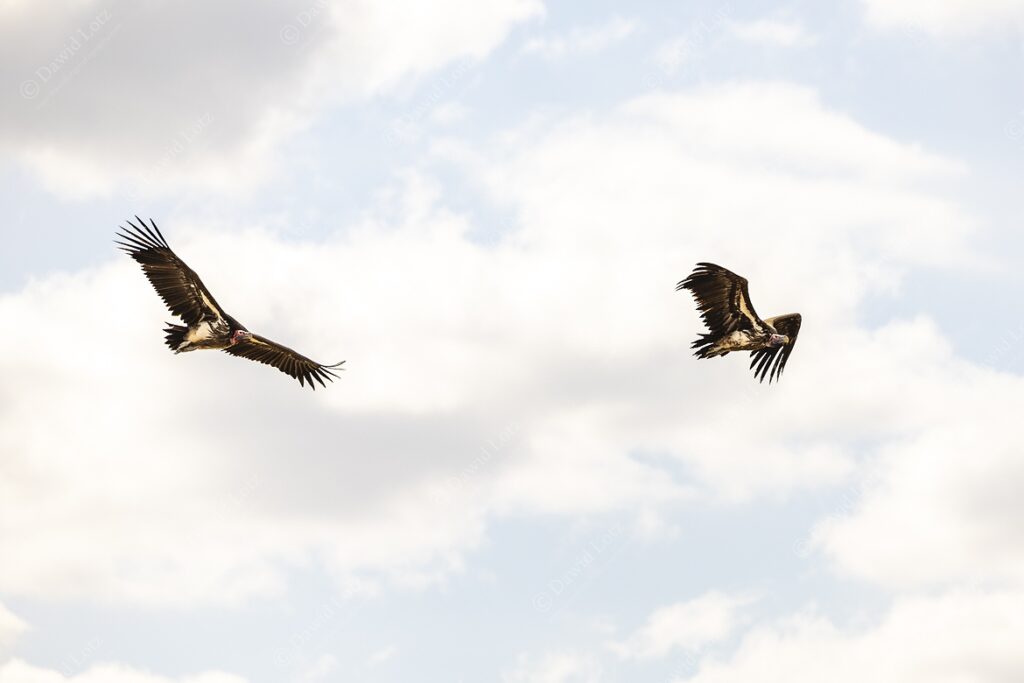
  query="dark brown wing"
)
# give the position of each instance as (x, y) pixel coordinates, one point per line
(776, 358)
(723, 300)
(178, 285)
(262, 350)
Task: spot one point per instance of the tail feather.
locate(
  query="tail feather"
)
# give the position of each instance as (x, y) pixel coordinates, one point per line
(706, 347)
(175, 336)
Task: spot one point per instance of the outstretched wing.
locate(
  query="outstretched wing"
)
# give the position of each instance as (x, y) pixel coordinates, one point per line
(775, 359)
(723, 300)
(262, 350)
(178, 285)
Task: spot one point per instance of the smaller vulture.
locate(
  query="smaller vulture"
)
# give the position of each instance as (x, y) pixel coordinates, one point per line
(724, 304)
(207, 325)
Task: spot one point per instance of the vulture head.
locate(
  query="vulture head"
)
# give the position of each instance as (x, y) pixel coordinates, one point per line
(240, 336)
(777, 340)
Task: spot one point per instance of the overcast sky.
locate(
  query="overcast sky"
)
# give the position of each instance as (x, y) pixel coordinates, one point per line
(523, 475)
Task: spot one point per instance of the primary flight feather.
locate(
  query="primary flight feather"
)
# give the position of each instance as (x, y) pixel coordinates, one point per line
(207, 326)
(724, 304)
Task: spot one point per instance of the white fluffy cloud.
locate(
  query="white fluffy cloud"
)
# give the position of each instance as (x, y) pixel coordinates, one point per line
(18, 671)
(547, 373)
(957, 637)
(942, 504)
(953, 18)
(689, 625)
(112, 99)
(11, 626)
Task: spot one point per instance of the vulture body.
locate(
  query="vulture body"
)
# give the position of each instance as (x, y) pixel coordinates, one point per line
(724, 303)
(207, 326)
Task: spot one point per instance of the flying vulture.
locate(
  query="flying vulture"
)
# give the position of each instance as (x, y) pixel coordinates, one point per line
(208, 326)
(725, 307)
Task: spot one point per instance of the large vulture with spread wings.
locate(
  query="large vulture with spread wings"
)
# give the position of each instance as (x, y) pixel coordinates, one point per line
(724, 304)
(208, 326)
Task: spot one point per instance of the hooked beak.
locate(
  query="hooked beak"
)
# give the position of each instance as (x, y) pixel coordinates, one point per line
(777, 340)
